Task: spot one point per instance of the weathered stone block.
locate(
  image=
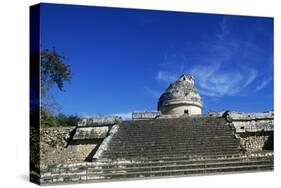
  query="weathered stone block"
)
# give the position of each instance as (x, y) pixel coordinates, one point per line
(84, 178)
(254, 143)
(75, 179)
(90, 133)
(59, 179)
(46, 174)
(145, 115)
(100, 121)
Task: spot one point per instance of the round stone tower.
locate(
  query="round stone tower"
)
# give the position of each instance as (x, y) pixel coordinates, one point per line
(181, 97)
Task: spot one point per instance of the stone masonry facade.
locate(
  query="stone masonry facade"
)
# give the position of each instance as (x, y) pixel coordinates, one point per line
(63, 152)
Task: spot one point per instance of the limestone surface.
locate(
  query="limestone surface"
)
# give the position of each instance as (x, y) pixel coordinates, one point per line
(83, 133)
(251, 122)
(102, 120)
(181, 97)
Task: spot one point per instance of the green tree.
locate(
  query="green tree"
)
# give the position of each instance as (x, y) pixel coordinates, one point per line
(53, 72)
(48, 119)
(71, 120)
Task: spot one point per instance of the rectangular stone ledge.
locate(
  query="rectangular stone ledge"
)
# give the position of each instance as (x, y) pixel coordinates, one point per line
(242, 116)
(67, 180)
(106, 120)
(63, 179)
(83, 133)
(58, 170)
(72, 179)
(253, 126)
(95, 177)
(58, 180)
(46, 181)
(145, 115)
(76, 173)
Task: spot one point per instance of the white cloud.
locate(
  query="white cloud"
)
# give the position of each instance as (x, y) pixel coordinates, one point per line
(252, 74)
(224, 28)
(213, 82)
(262, 84)
(125, 116)
(166, 76)
(227, 65)
(212, 79)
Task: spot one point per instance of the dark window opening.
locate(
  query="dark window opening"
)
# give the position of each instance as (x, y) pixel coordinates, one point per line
(186, 112)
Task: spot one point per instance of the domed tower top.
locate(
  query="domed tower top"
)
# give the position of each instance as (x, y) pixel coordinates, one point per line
(181, 97)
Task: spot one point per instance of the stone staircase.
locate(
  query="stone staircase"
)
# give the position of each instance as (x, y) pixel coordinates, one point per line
(174, 147)
(161, 148)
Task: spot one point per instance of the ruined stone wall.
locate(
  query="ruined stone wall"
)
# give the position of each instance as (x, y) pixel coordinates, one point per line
(66, 173)
(50, 146)
(256, 142)
(45, 140)
(255, 130)
(60, 154)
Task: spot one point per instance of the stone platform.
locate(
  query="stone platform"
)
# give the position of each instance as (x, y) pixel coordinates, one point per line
(162, 148)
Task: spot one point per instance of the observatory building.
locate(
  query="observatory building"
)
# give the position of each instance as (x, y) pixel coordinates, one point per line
(181, 97)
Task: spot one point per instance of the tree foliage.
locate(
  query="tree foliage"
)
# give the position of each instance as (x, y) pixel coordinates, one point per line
(53, 71)
(50, 120)
(70, 120)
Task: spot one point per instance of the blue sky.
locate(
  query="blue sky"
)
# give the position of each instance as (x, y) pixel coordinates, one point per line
(123, 59)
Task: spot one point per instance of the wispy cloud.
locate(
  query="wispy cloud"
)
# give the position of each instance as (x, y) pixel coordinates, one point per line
(166, 76)
(225, 28)
(252, 74)
(229, 64)
(263, 84)
(124, 116)
(213, 81)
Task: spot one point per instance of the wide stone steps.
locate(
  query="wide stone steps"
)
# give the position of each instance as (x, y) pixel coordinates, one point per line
(176, 158)
(177, 161)
(184, 125)
(159, 131)
(171, 137)
(148, 168)
(169, 154)
(162, 136)
(167, 151)
(104, 169)
(187, 135)
(170, 167)
(153, 146)
(174, 149)
(174, 140)
(155, 130)
(182, 172)
(191, 158)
